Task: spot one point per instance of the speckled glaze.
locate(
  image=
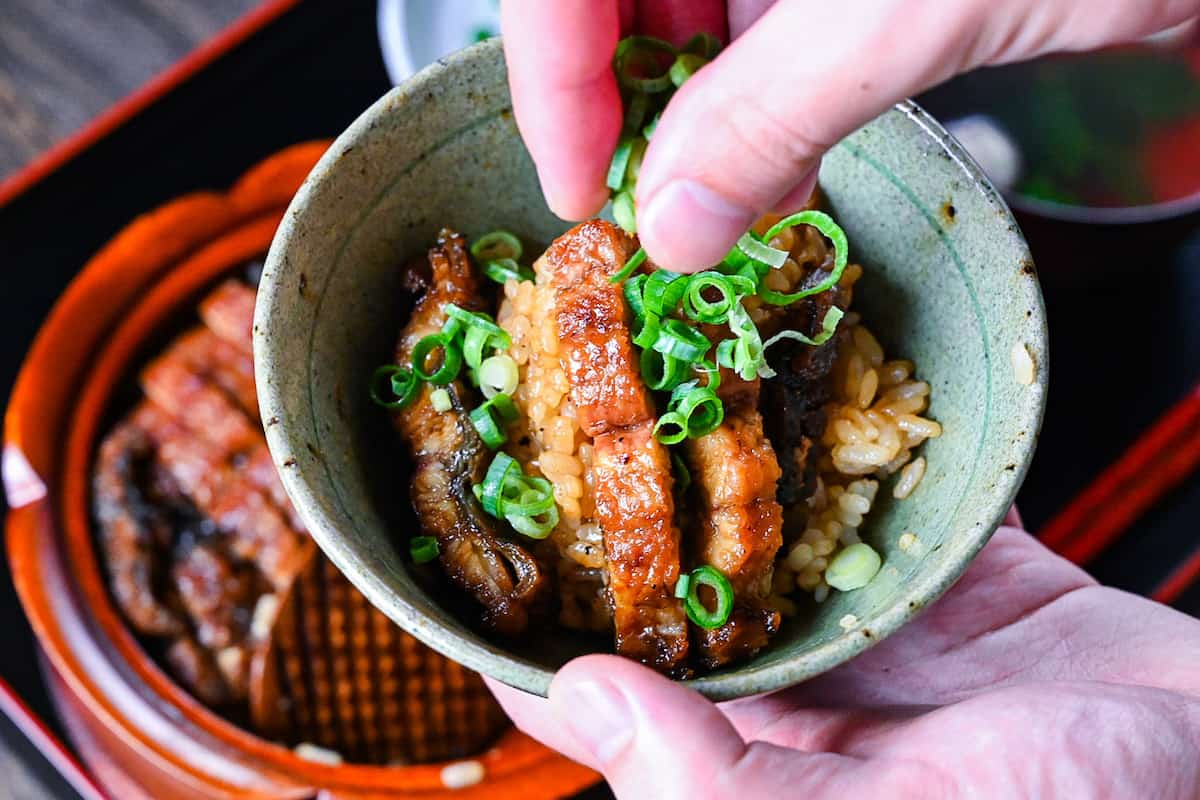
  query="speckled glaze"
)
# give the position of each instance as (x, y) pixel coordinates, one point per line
(950, 284)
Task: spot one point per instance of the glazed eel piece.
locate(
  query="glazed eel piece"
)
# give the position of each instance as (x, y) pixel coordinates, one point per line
(735, 475)
(449, 457)
(632, 469)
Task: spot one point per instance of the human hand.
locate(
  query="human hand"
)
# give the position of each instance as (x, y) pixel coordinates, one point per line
(1026, 680)
(746, 133)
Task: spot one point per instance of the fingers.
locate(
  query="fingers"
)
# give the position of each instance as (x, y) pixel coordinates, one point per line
(745, 130)
(992, 627)
(564, 95)
(532, 716)
(652, 737)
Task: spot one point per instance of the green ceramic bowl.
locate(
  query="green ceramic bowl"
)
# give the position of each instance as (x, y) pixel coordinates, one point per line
(950, 285)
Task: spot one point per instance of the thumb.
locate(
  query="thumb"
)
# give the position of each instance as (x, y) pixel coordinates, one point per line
(655, 738)
(749, 128)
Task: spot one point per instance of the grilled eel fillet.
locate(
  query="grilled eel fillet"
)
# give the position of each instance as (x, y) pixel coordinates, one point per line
(632, 469)
(449, 457)
(740, 526)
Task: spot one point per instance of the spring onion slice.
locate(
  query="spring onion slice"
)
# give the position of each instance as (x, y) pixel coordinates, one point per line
(620, 163)
(710, 371)
(502, 270)
(828, 328)
(451, 358)
(701, 409)
(623, 211)
(680, 340)
(423, 549)
(393, 387)
(703, 44)
(683, 476)
(440, 400)
(663, 292)
(633, 296)
(759, 251)
(727, 287)
(497, 245)
(725, 353)
(853, 568)
(661, 372)
(635, 162)
(504, 407)
(631, 266)
(498, 375)
(681, 586)
(696, 611)
(533, 527)
(475, 319)
(671, 428)
(487, 426)
(504, 469)
(841, 252)
(635, 113)
(651, 127)
(685, 66)
(648, 332)
(642, 53)
(536, 497)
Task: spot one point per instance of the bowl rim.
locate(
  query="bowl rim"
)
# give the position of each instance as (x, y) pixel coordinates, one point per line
(50, 539)
(491, 659)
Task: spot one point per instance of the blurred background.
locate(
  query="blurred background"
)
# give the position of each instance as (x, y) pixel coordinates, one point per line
(1098, 154)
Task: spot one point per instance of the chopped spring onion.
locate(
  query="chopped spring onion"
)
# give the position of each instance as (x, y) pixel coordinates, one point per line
(490, 418)
(647, 332)
(759, 251)
(631, 266)
(841, 252)
(620, 163)
(678, 339)
(481, 333)
(635, 161)
(828, 327)
(685, 66)
(651, 127)
(526, 503)
(671, 428)
(663, 292)
(633, 296)
(502, 270)
(637, 60)
(700, 408)
(696, 610)
(440, 400)
(681, 586)
(496, 245)
(711, 373)
(423, 549)
(623, 211)
(703, 44)
(727, 289)
(451, 360)
(498, 375)
(393, 387)
(635, 113)
(533, 527)
(503, 474)
(661, 372)
(853, 568)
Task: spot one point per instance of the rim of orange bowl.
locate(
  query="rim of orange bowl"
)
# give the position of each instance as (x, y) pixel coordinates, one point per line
(62, 519)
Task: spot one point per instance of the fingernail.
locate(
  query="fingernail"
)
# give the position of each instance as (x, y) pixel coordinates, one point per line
(597, 715)
(690, 225)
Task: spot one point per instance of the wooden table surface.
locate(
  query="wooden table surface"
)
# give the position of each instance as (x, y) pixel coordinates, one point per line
(64, 61)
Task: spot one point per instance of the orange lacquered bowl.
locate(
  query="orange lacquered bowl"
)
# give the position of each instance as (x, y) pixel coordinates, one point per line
(141, 734)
